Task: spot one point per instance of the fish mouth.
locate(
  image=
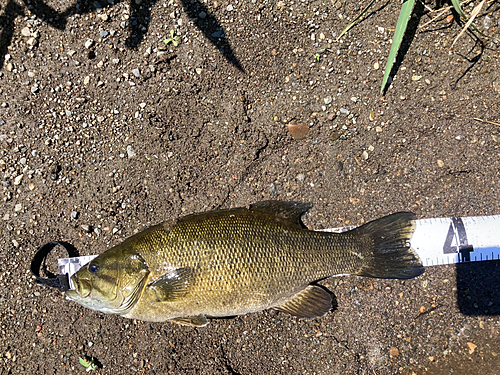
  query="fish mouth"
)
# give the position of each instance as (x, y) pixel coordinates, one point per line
(83, 287)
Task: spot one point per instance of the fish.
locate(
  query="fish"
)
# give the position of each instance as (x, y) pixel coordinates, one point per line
(238, 261)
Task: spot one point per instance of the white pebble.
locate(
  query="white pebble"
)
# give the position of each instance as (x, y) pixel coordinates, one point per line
(130, 151)
(17, 180)
(26, 31)
(89, 43)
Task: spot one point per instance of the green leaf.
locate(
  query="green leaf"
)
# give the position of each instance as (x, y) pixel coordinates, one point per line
(355, 20)
(83, 362)
(404, 17)
(458, 9)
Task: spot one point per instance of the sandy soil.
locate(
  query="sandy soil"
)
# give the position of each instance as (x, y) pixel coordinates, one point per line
(105, 130)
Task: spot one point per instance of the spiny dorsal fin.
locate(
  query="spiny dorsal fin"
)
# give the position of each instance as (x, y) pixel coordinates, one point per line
(193, 321)
(312, 302)
(291, 211)
(172, 285)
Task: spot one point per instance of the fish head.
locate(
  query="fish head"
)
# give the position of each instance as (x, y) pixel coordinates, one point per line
(112, 282)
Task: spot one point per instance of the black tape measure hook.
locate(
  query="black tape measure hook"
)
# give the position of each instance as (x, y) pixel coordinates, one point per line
(60, 282)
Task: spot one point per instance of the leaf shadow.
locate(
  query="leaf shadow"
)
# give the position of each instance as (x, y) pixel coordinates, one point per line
(138, 24)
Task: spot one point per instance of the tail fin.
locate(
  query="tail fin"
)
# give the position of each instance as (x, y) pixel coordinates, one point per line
(392, 256)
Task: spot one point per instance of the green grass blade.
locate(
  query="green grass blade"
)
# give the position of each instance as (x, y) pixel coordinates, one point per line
(355, 20)
(458, 9)
(404, 17)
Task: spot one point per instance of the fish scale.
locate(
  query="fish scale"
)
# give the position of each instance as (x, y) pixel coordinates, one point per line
(233, 262)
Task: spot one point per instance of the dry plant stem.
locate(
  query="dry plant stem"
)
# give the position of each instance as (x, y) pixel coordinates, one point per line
(442, 11)
(486, 121)
(471, 19)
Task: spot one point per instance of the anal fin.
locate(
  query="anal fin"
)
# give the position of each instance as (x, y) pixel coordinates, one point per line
(312, 302)
(193, 321)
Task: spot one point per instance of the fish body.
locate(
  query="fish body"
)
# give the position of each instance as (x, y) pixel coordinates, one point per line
(239, 261)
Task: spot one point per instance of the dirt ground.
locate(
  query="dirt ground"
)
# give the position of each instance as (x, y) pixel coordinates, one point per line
(105, 130)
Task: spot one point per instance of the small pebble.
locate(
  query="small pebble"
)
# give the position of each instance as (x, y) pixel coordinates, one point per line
(202, 15)
(136, 72)
(89, 43)
(440, 163)
(393, 352)
(344, 111)
(103, 34)
(328, 100)
(142, 105)
(32, 42)
(18, 207)
(26, 31)
(229, 8)
(487, 22)
(34, 89)
(298, 131)
(74, 215)
(472, 347)
(130, 152)
(86, 228)
(17, 180)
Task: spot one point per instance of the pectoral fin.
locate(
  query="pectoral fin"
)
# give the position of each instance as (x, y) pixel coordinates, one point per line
(312, 302)
(173, 285)
(193, 321)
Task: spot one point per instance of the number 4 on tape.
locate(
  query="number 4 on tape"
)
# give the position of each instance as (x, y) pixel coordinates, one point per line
(456, 240)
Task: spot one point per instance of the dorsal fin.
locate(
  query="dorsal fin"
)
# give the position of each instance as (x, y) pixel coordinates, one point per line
(291, 211)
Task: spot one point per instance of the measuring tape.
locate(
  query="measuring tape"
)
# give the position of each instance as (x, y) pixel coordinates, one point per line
(454, 240)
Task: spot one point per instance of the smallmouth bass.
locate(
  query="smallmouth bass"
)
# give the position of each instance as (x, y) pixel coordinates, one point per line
(238, 261)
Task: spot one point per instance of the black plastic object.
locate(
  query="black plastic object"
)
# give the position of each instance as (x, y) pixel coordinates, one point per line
(60, 282)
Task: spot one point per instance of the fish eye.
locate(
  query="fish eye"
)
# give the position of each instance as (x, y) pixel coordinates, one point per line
(93, 268)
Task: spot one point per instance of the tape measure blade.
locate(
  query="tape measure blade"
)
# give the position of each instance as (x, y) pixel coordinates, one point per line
(428, 240)
(71, 265)
(483, 231)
